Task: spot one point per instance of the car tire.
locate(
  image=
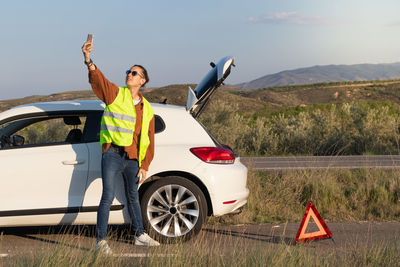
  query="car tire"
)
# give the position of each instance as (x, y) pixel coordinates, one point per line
(173, 208)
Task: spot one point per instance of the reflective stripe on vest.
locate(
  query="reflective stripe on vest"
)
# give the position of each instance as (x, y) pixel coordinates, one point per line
(119, 120)
(115, 129)
(118, 116)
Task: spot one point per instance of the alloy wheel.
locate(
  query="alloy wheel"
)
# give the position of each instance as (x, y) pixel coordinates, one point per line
(173, 210)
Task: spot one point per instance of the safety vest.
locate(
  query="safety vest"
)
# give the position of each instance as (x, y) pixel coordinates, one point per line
(119, 120)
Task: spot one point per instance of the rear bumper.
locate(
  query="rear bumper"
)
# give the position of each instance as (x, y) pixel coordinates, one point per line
(226, 184)
(226, 206)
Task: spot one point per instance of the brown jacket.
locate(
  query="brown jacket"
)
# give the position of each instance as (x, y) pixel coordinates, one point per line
(107, 92)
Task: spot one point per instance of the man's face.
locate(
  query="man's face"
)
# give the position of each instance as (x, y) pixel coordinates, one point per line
(137, 79)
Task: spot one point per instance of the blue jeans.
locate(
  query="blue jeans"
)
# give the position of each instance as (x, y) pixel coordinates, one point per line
(116, 165)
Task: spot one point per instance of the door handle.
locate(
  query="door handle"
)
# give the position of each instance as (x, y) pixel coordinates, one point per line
(73, 162)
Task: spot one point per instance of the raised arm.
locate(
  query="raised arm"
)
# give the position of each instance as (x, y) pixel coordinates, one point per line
(101, 86)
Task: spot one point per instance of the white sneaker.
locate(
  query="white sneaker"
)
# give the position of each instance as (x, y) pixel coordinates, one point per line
(102, 246)
(145, 240)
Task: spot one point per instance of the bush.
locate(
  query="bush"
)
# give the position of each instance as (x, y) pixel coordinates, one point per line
(331, 129)
(339, 195)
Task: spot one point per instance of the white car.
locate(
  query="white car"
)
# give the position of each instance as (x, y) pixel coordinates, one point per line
(50, 162)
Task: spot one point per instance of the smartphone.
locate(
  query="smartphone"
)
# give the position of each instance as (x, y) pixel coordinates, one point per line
(90, 37)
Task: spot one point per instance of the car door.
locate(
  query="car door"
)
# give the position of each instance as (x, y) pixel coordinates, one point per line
(119, 213)
(47, 175)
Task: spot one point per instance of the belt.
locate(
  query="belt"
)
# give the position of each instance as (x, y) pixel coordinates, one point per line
(119, 149)
(116, 146)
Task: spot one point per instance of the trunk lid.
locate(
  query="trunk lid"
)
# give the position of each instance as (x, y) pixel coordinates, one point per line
(199, 97)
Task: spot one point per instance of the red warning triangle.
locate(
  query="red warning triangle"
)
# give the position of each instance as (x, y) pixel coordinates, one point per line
(323, 232)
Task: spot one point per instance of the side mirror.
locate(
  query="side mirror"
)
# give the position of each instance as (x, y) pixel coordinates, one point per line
(17, 140)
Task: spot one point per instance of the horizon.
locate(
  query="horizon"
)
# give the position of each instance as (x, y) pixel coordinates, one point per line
(176, 41)
(184, 83)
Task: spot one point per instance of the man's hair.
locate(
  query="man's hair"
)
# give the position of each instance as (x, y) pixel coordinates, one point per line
(146, 76)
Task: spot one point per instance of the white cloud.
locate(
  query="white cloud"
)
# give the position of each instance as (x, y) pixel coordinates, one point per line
(288, 18)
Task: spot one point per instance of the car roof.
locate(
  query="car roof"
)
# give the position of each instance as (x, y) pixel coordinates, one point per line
(73, 105)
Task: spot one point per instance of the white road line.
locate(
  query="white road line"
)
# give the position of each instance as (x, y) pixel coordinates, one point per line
(3, 255)
(141, 255)
(132, 255)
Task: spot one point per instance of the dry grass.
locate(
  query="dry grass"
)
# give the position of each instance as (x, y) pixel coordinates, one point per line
(340, 195)
(211, 251)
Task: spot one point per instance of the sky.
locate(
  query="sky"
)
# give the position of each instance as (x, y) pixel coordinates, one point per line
(40, 48)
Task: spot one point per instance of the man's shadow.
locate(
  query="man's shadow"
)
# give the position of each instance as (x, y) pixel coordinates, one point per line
(119, 233)
(78, 190)
(252, 236)
(81, 180)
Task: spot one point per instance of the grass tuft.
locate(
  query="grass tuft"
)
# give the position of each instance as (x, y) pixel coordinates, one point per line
(339, 195)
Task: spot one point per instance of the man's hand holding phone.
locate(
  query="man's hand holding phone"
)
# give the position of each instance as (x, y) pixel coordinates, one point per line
(88, 46)
(86, 49)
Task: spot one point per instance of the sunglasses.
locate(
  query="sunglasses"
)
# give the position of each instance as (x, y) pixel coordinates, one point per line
(134, 73)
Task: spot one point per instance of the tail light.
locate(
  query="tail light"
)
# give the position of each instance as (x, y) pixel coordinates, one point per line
(216, 155)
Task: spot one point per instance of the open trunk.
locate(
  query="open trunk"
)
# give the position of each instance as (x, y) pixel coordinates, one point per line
(199, 97)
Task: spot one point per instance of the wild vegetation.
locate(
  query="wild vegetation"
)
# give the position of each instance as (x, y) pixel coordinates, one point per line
(324, 129)
(337, 118)
(319, 119)
(339, 195)
(211, 254)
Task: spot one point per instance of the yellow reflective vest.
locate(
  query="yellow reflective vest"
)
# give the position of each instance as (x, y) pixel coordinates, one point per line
(119, 119)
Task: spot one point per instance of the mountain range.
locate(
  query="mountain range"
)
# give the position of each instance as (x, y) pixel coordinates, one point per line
(328, 73)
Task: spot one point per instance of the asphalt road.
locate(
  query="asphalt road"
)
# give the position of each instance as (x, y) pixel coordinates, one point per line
(322, 162)
(28, 241)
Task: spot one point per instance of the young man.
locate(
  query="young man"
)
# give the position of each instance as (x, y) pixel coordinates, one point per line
(127, 141)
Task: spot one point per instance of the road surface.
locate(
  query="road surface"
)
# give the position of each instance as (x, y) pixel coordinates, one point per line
(28, 241)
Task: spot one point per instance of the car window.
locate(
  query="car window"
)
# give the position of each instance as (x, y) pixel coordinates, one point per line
(54, 130)
(58, 129)
(43, 130)
(91, 132)
(159, 124)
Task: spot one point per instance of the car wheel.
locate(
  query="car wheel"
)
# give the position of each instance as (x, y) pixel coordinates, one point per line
(173, 208)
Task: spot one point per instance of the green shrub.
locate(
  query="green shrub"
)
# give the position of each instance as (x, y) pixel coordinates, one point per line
(339, 195)
(331, 129)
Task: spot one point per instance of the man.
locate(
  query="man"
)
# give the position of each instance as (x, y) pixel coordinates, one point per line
(127, 141)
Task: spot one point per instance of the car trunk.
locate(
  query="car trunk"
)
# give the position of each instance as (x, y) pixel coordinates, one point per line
(198, 98)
